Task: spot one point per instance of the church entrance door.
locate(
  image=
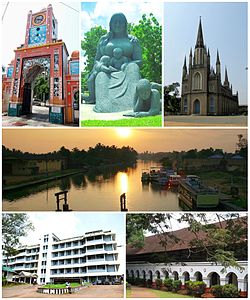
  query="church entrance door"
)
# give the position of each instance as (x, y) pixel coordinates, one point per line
(196, 107)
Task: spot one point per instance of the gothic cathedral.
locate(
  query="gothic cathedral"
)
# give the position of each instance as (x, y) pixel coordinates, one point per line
(202, 91)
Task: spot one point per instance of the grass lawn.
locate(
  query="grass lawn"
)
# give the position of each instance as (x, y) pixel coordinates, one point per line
(155, 121)
(60, 286)
(162, 294)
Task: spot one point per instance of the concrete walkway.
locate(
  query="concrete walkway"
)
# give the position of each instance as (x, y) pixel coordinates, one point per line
(87, 113)
(99, 291)
(141, 292)
(219, 121)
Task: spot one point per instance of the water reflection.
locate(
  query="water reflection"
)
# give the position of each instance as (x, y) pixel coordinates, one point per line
(99, 189)
(123, 179)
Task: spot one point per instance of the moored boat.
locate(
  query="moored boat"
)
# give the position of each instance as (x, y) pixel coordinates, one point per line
(194, 194)
(145, 175)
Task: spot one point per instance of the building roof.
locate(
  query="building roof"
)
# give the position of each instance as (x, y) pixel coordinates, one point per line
(152, 244)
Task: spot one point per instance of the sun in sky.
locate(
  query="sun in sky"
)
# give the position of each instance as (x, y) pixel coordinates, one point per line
(123, 132)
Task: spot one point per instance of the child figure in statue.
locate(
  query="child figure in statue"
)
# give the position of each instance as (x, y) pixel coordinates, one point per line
(147, 100)
(100, 66)
(118, 59)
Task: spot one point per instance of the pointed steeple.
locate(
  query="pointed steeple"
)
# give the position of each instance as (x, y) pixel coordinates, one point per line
(199, 41)
(190, 58)
(184, 69)
(226, 82)
(218, 64)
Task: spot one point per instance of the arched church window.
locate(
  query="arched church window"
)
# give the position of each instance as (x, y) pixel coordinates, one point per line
(185, 105)
(197, 82)
(211, 105)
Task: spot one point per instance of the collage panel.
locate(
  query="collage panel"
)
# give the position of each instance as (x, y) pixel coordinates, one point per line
(121, 78)
(85, 259)
(40, 82)
(186, 255)
(125, 169)
(205, 73)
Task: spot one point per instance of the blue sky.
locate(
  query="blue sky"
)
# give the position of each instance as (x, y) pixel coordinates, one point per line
(224, 28)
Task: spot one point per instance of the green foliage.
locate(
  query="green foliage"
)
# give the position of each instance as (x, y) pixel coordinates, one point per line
(128, 286)
(149, 283)
(225, 291)
(158, 283)
(97, 156)
(172, 100)
(14, 226)
(89, 46)
(242, 146)
(168, 283)
(176, 285)
(154, 121)
(41, 87)
(149, 34)
(195, 288)
(216, 290)
(61, 285)
(230, 291)
(139, 281)
(131, 280)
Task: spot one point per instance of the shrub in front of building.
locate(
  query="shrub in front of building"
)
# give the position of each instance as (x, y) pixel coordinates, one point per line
(195, 288)
(168, 283)
(230, 291)
(176, 285)
(149, 283)
(131, 280)
(139, 282)
(225, 291)
(158, 283)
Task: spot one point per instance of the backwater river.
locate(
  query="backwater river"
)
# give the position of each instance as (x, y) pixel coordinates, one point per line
(96, 191)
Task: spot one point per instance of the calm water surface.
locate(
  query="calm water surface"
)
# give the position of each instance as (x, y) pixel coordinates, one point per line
(95, 192)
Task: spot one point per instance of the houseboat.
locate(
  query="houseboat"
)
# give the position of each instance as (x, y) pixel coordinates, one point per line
(195, 195)
(145, 177)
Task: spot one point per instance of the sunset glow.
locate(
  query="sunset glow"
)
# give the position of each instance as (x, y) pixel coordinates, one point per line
(123, 132)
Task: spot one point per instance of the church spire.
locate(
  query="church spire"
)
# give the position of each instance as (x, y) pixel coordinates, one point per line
(199, 41)
(218, 64)
(226, 82)
(184, 69)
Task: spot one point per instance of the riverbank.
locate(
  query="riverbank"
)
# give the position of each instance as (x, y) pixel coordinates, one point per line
(17, 182)
(25, 181)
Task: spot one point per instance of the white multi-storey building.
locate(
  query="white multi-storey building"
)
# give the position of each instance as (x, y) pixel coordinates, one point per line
(92, 256)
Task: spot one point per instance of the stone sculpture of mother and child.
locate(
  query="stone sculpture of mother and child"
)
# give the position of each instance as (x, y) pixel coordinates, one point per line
(115, 84)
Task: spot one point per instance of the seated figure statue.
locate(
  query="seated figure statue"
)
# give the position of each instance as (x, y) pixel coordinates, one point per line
(114, 91)
(147, 100)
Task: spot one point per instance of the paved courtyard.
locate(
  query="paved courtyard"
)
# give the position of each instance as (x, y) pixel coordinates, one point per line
(99, 291)
(38, 118)
(223, 121)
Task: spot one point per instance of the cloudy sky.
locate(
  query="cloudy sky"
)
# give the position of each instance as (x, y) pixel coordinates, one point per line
(224, 28)
(65, 225)
(15, 18)
(41, 140)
